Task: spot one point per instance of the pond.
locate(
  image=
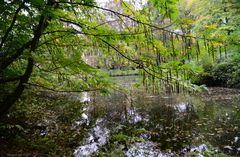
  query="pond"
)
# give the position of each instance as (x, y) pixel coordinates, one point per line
(135, 123)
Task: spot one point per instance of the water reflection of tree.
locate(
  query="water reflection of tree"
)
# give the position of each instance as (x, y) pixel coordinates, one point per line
(222, 125)
(162, 122)
(171, 129)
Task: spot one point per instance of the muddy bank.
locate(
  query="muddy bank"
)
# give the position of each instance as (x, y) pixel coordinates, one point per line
(220, 93)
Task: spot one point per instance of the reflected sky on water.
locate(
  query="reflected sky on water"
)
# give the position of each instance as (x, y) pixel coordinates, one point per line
(168, 124)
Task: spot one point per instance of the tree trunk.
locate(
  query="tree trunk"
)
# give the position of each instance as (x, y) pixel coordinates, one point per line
(33, 44)
(10, 100)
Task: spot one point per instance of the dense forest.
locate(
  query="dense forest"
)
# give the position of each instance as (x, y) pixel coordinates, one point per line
(60, 58)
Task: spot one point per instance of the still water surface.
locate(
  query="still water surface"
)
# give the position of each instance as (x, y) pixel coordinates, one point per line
(143, 124)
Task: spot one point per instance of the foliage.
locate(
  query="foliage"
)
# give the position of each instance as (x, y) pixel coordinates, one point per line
(225, 74)
(48, 44)
(215, 21)
(54, 55)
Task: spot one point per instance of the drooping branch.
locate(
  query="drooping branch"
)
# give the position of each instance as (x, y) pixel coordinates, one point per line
(63, 91)
(136, 20)
(118, 51)
(107, 22)
(72, 22)
(74, 31)
(141, 64)
(56, 67)
(50, 40)
(117, 13)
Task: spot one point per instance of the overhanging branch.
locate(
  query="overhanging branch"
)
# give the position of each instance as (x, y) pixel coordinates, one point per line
(73, 31)
(63, 91)
(9, 79)
(137, 21)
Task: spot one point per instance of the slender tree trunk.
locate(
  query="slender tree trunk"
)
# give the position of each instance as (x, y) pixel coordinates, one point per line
(12, 98)
(4, 38)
